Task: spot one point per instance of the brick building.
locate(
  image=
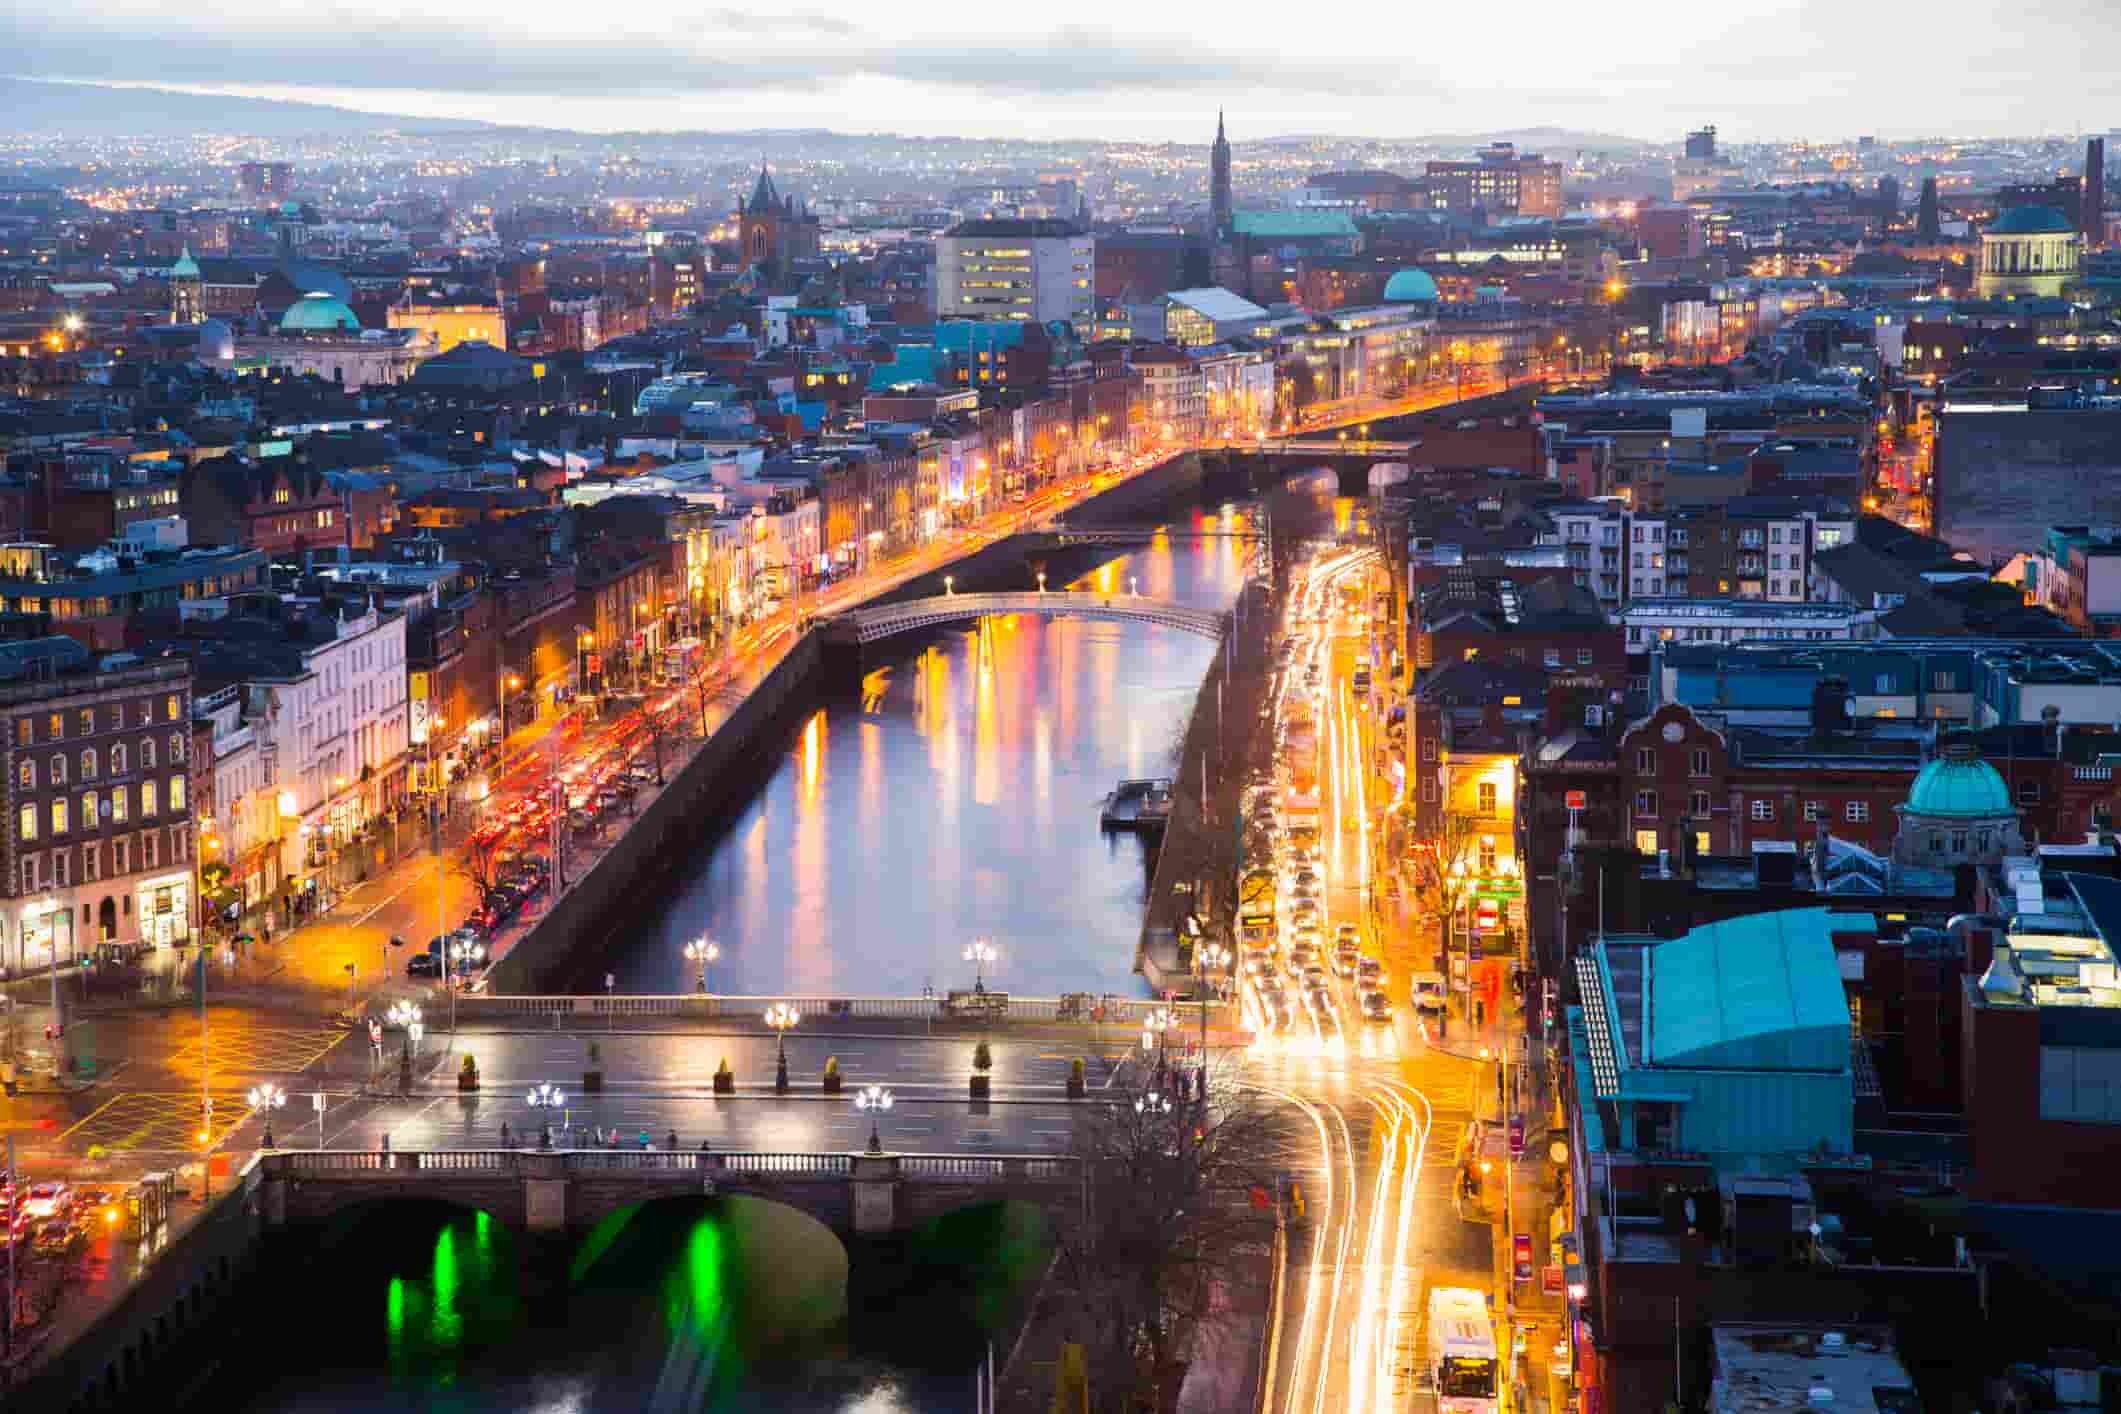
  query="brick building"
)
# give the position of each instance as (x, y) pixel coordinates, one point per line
(98, 827)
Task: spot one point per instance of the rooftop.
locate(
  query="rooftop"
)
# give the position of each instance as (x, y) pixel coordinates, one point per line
(1759, 992)
(1292, 225)
(2030, 221)
(1763, 1369)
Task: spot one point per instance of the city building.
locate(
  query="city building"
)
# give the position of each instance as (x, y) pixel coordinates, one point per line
(97, 598)
(2003, 476)
(1043, 271)
(266, 181)
(1220, 205)
(99, 824)
(1499, 181)
(451, 321)
(772, 230)
(2029, 250)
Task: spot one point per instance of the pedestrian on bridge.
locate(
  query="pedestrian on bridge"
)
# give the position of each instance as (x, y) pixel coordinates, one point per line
(506, 1143)
(673, 1141)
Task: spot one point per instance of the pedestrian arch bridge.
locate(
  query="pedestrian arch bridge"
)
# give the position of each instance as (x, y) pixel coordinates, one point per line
(553, 1190)
(867, 625)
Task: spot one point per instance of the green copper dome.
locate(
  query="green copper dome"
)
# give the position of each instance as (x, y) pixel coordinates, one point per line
(1959, 785)
(318, 313)
(1411, 287)
(186, 268)
(2030, 221)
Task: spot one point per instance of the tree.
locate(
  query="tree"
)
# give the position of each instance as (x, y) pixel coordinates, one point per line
(1447, 866)
(480, 862)
(1169, 1218)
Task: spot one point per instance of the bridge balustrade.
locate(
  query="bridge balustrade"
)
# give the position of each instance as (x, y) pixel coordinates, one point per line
(1113, 1011)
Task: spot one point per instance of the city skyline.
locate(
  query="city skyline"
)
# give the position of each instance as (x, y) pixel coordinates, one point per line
(1792, 70)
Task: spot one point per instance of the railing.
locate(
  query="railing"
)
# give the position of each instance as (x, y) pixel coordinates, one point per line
(884, 620)
(1113, 1011)
(911, 1168)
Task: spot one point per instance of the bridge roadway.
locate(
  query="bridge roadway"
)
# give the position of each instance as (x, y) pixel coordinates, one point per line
(879, 621)
(543, 1189)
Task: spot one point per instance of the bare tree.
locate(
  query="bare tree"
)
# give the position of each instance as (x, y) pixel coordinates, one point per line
(1170, 1218)
(480, 862)
(1446, 867)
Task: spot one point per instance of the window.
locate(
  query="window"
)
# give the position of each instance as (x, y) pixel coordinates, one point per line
(2080, 1084)
(1645, 841)
(88, 763)
(1944, 680)
(60, 871)
(60, 811)
(1856, 812)
(148, 853)
(1428, 790)
(1958, 841)
(147, 753)
(31, 871)
(1811, 810)
(1701, 841)
(26, 822)
(1883, 683)
(91, 863)
(1763, 808)
(170, 710)
(1645, 761)
(88, 721)
(1697, 804)
(119, 861)
(54, 727)
(91, 810)
(1428, 748)
(1487, 795)
(118, 803)
(26, 731)
(1698, 761)
(117, 759)
(1583, 657)
(1553, 659)
(58, 770)
(1593, 714)
(1646, 802)
(1485, 857)
(26, 775)
(2028, 792)
(176, 794)
(176, 746)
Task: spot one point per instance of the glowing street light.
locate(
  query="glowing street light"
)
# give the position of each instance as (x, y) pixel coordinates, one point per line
(873, 1100)
(703, 952)
(980, 953)
(1153, 1103)
(265, 1099)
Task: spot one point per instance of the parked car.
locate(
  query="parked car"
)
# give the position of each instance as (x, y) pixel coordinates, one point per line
(423, 964)
(1428, 990)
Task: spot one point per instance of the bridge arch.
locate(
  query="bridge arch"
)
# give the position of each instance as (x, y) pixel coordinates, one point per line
(867, 625)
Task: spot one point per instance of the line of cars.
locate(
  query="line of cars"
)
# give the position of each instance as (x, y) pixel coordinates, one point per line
(55, 1219)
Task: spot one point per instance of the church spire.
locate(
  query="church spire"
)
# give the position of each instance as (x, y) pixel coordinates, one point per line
(1219, 126)
(1219, 196)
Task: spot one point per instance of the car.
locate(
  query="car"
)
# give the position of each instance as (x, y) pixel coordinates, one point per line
(44, 1201)
(1308, 879)
(1305, 908)
(1300, 957)
(1428, 991)
(1369, 972)
(1304, 893)
(1259, 966)
(1314, 977)
(423, 964)
(1319, 1000)
(1348, 932)
(1376, 1006)
(1344, 963)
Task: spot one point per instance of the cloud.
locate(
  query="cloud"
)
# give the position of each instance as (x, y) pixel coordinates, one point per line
(715, 49)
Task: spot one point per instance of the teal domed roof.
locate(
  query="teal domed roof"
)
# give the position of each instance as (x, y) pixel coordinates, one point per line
(1959, 785)
(318, 313)
(2030, 221)
(1411, 287)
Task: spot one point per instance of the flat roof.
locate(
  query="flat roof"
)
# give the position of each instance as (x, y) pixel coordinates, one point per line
(1762, 1369)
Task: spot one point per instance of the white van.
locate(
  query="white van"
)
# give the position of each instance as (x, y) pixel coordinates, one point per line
(1426, 991)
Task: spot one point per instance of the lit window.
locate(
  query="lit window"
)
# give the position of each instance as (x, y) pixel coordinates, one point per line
(26, 775)
(88, 764)
(147, 753)
(1856, 812)
(176, 793)
(150, 795)
(58, 770)
(1646, 802)
(91, 809)
(118, 803)
(26, 822)
(1763, 809)
(117, 760)
(59, 816)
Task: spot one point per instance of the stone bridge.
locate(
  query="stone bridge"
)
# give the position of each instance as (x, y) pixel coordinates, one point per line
(861, 626)
(553, 1190)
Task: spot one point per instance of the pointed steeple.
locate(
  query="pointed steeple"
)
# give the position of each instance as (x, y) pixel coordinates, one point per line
(763, 197)
(1219, 126)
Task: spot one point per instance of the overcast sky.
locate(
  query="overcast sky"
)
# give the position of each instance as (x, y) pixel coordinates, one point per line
(1121, 69)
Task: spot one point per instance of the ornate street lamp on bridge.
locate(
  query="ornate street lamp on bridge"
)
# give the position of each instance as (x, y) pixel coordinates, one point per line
(703, 951)
(873, 1100)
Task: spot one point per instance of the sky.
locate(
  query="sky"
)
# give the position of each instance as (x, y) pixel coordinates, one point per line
(1118, 69)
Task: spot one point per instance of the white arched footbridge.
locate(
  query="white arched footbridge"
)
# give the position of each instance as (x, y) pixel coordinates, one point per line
(883, 620)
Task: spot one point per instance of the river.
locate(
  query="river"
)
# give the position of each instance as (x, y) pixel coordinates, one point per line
(956, 799)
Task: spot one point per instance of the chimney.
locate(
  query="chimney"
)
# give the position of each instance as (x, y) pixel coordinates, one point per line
(2051, 730)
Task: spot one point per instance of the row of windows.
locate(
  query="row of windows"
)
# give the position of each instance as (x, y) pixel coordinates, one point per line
(55, 769)
(118, 804)
(54, 729)
(1761, 809)
(55, 869)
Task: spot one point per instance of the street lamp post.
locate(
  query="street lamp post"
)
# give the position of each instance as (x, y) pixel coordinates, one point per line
(873, 1100)
(1206, 956)
(545, 1097)
(780, 1016)
(265, 1099)
(980, 953)
(703, 952)
(1154, 1027)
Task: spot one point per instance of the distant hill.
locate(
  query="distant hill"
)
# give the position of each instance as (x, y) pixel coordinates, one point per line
(96, 110)
(1527, 140)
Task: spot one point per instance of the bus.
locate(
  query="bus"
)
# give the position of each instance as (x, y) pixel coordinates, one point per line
(1462, 1351)
(1255, 909)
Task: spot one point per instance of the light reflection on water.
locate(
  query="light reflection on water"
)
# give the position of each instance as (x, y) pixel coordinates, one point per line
(957, 798)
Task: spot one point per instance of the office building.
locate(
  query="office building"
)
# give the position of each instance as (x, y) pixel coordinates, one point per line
(1017, 270)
